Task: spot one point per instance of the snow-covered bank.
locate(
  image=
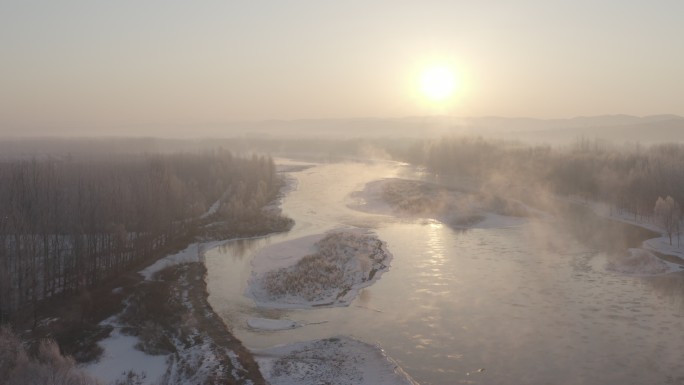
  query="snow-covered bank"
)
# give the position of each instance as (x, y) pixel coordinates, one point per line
(640, 261)
(290, 184)
(168, 334)
(333, 361)
(317, 270)
(193, 253)
(458, 209)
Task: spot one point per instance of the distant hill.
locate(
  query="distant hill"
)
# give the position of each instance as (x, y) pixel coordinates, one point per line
(614, 128)
(617, 128)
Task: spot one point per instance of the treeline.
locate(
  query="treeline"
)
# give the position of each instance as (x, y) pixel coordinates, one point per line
(630, 179)
(67, 224)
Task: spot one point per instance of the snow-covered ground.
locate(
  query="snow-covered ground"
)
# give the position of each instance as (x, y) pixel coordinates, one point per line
(202, 352)
(317, 270)
(332, 361)
(193, 253)
(212, 209)
(194, 364)
(640, 261)
(121, 357)
(662, 245)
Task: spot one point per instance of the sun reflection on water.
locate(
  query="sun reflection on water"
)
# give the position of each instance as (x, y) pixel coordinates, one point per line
(435, 244)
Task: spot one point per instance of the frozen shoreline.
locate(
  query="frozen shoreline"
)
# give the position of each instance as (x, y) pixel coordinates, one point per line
(158, 347)
(337, 360)
(355, 257)
(340, 360)
(405, 198)
(120, 354)
(640, 262)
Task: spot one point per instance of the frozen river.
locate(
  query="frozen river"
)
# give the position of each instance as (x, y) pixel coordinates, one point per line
(528, 304)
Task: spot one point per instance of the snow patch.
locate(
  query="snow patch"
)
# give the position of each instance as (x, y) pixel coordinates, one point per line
(212, 209)
(640, 262)
(216, 205)
(193, 253)
(662, 245)
(334, 361)
(120, 356)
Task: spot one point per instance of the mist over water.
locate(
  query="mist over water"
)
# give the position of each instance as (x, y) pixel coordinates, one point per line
(529, 304)
(529, 131)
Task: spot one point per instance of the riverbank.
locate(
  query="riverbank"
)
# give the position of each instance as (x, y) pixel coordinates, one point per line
(168, 333)
(640, 261)
(437, 311)
(459, 209)
(152, 323)
(336, 360)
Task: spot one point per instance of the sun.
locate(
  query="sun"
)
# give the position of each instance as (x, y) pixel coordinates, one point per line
(438, 83)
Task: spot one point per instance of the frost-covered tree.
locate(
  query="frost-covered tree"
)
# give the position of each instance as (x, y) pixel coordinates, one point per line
(668, 213)
(47, 366)
(67, 226)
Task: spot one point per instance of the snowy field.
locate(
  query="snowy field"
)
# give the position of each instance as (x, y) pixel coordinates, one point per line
(317, 270)
(120, 357)
(332, 361)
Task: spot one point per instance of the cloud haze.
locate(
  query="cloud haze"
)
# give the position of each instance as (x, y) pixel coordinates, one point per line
(130, 66)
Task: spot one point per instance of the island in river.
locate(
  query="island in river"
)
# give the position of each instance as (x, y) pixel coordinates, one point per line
(318, 270)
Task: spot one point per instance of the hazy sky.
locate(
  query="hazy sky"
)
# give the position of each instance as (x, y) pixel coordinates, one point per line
(108, 64)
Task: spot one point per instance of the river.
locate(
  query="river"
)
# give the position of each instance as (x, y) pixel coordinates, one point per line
(530, 304)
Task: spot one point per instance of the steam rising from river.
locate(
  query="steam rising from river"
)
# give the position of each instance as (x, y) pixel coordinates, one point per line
(531, 303)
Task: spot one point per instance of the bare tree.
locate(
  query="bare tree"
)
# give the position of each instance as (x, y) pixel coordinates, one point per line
(67, 225)
(668, 213)
(47, 366)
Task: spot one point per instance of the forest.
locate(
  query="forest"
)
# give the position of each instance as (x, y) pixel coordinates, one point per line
(644, 181)
(69, 222)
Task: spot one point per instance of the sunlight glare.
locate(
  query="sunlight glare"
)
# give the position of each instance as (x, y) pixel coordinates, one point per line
(438, 83)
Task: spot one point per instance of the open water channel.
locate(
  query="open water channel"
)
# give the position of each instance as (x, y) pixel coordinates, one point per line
(530, 304)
